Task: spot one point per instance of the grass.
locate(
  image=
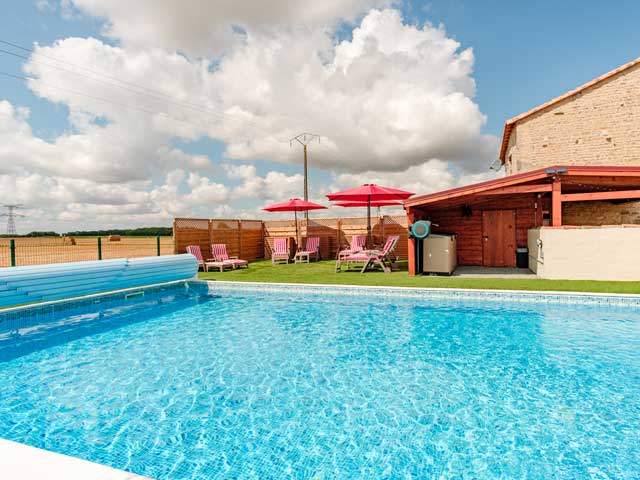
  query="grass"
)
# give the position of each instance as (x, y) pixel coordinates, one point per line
(323, 272)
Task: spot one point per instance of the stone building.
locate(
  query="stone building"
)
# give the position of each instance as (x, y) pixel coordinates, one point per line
(596, 124)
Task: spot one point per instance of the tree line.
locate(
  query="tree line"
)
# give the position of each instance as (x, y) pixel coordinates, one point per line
(125, 232)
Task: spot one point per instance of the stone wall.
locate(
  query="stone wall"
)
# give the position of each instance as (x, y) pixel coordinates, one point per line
(600, 213)
(599, 126)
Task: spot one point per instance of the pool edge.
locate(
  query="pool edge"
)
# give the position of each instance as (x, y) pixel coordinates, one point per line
(24, 462)
(534, 296)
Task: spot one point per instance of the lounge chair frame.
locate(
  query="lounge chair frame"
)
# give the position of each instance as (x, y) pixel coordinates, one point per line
(209, 263)
(281, 256)
(312, 248)
(385, 259)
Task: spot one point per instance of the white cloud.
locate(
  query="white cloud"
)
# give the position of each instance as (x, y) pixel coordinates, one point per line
(209, 27)
(394, 105)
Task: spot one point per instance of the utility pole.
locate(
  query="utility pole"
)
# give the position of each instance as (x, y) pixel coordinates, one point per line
(11, 217)
(304, 139)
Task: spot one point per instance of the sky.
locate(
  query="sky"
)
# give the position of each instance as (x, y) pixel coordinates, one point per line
(124, 114)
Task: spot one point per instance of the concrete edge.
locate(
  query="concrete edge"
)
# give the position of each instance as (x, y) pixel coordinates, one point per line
(430, 289)
(23, 462)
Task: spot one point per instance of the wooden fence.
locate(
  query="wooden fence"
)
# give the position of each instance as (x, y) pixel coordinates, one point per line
(244, 238)
(253, 239)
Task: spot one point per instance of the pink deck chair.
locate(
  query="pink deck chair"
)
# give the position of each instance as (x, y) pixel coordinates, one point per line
(311, 248)
(281, 252)
(209, 263)
(357, 244)
(220, 255)
(370, 258)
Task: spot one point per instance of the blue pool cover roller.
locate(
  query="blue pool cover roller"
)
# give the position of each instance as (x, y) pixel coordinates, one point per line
(38, 283)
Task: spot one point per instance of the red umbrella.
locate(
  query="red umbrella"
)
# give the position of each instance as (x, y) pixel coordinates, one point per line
(369, 193)
(294, 205)
(379, 203)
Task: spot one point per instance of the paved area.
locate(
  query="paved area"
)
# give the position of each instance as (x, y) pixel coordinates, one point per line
(493, 272)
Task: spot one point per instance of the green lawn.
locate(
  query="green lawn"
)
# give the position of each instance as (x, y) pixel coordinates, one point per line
(323, 272)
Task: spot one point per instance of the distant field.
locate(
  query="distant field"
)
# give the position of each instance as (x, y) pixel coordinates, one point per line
(36, 251)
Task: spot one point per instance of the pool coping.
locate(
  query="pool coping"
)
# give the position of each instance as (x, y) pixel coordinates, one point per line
(24, 462)
(531, 296)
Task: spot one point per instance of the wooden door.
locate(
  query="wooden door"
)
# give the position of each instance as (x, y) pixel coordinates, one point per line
(499, 238)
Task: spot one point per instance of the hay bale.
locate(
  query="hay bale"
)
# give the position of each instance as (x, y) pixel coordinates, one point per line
(68, 241)
(114, 238)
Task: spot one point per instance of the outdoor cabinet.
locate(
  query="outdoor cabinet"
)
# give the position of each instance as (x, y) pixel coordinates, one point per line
(440, 254)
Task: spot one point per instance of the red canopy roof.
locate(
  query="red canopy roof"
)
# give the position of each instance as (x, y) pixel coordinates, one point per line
(293, 205)
(370, 191)
(376, 203)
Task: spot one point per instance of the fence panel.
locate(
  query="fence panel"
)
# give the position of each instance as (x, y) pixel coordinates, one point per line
(243, 238)
(42, 250)
(253, 239)
(191, 231)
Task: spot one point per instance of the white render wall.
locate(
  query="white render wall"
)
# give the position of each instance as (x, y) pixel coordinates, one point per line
(585, 253)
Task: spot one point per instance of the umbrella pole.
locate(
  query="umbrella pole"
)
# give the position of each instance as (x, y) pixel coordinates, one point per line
(369, 221)
(295, 216)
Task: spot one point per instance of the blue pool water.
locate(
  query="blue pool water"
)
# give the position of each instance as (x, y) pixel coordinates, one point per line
(178, 385)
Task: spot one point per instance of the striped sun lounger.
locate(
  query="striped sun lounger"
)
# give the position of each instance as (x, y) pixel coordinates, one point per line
(357, 244)
(371, 258)
(209, 263)
(311, 249)
(281, 252)
(220, 255)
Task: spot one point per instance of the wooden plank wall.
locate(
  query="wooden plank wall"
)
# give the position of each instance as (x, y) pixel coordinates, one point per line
(469, 228)
(242, 237)
(335, 233)
(253, 239)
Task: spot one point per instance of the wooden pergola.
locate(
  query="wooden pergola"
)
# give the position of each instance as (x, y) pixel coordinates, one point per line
(533, 195)
(561, 183)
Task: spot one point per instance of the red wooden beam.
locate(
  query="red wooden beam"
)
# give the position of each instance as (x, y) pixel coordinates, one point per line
(613, 195)
(556, 203)
(411, 246)
(520, 189)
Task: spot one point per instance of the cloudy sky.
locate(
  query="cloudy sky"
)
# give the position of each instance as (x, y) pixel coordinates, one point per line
(116, 113)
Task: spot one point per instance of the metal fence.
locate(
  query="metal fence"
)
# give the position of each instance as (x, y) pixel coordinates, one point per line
(40, 250)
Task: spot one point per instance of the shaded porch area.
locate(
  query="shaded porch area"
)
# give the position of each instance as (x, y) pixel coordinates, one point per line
(491, 220)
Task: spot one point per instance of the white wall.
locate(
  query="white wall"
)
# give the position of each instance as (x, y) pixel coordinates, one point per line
(585, 253)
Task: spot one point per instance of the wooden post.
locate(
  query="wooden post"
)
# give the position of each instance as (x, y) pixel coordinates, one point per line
(382, 227)
(539, 210)
(556, 203)
(175, 238)
(240, 238)
(411, 246)
(210, 238)
(12, 249)
(339, 234)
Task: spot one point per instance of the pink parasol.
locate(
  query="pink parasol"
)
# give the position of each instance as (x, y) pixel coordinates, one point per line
(294, 205)
(367, 194)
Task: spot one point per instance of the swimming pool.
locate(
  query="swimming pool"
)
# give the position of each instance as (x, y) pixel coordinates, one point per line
(302, 382)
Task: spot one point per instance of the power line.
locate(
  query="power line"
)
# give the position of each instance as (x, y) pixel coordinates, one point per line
(103, 82)
(93, 97)
(127, 106)
(157, 94)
